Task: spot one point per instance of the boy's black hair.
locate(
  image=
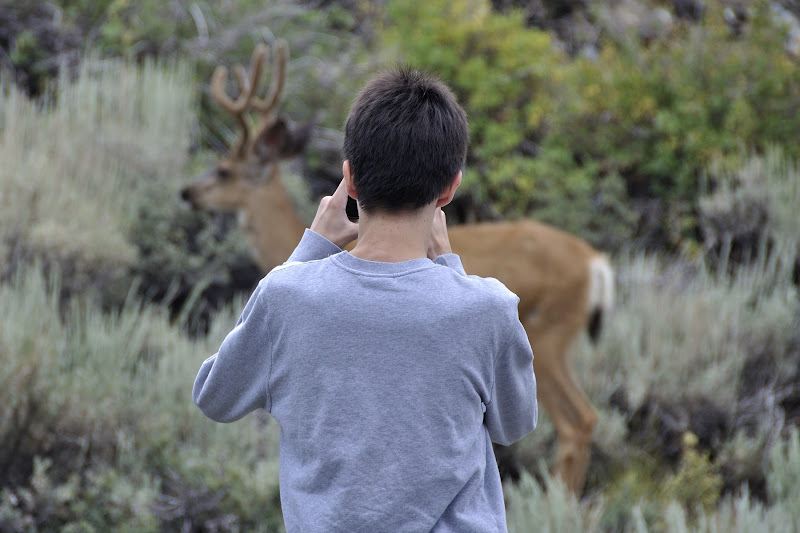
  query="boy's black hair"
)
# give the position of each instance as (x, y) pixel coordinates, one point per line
(406, 139)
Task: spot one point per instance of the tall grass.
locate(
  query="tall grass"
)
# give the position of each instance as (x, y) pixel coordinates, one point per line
(681, 332)
(550, 508)
(97, 410)
(72, 162)
(756, 200)
(97, 428)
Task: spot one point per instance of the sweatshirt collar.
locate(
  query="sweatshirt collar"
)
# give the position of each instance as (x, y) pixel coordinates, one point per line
(354, 264)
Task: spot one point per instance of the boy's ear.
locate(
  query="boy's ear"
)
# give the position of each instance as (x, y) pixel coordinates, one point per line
(278, 142)
(348, 180)
(447, 195)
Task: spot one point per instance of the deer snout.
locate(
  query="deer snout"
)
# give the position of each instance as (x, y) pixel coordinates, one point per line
(188, 196)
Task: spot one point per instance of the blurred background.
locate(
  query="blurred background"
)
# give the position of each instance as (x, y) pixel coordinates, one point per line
(662, 132)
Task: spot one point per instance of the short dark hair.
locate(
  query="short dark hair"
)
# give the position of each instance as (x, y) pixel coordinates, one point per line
(406, 138)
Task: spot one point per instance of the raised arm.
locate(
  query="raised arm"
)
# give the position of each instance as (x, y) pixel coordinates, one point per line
(330, 231)
(439, 244)
(331, 219)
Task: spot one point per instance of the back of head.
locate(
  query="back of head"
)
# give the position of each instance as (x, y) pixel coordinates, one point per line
(406, 139)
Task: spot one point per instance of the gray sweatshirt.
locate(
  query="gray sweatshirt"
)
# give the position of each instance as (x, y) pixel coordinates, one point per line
(390, 381)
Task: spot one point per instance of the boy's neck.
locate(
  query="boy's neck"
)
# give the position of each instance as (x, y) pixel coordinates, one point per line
(393, 237)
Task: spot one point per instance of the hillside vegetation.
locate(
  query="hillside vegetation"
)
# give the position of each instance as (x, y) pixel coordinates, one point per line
(677, 154)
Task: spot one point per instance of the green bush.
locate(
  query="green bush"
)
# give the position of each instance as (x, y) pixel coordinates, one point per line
(658, 115)
(501, 73)
(574, 140)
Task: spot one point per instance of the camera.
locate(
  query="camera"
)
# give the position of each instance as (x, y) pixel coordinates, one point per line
(352, 209)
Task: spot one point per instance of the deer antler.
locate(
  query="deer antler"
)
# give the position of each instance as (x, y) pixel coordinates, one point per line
(247, 87)
(276, 83)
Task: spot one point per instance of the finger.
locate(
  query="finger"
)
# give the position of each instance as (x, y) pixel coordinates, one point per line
(340, 194)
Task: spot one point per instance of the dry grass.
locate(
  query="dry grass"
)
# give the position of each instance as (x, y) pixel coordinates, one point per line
(72, 162)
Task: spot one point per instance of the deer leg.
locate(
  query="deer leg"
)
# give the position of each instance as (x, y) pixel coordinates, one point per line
(572, 414)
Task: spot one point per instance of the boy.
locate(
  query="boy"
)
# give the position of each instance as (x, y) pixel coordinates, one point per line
(389, 369)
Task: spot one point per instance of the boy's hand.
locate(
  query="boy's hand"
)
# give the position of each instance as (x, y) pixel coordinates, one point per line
(439, 243)
(331, 219)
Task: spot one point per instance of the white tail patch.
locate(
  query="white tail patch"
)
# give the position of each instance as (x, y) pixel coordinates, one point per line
(601, 286)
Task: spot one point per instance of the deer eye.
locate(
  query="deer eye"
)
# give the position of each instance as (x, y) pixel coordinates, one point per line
(223, 173)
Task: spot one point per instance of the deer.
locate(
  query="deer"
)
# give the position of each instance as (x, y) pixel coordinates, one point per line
(564, 285)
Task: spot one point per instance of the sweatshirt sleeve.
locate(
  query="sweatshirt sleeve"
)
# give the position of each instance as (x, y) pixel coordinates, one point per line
(313, 246)
(234, 381)
(451, 261)
(512, 411)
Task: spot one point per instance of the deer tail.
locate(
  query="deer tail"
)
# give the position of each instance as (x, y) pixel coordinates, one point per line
(601, 294)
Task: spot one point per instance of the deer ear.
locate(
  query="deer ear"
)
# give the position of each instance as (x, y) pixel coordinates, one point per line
(269, 143)
(299, 140)
(279, 142)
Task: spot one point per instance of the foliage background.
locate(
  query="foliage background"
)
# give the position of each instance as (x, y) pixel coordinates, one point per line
(661, 132)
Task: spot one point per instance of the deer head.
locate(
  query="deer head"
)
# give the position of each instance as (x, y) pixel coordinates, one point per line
(253, 161)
